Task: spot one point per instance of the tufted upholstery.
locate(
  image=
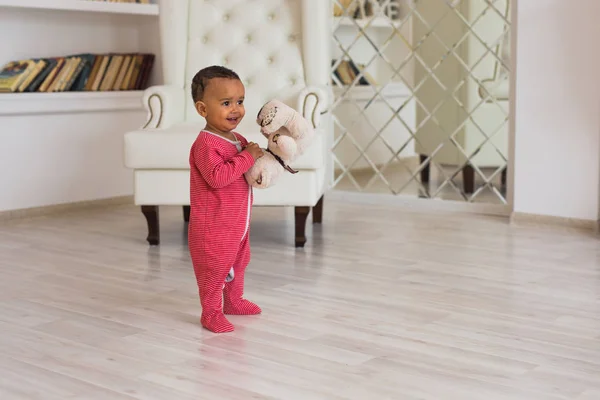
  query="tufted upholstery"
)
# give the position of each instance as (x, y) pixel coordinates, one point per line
(262, 45)
(280, 49)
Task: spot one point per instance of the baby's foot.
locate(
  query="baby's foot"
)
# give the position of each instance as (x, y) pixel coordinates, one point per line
(216, 323)
(241, 307)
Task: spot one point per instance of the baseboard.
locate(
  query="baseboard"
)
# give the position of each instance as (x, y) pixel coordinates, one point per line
(438, 205)
(526, 219)
(516, 218)
(61, 208)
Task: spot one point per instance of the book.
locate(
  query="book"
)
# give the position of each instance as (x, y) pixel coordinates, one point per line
(14, 73)
(78, 72)
(347, 71)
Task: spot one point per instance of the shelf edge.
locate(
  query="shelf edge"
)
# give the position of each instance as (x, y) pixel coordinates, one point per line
(90, 7)
(14, 104)
(373, 22)
(366, 92)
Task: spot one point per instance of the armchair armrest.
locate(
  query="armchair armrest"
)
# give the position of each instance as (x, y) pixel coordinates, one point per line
(312, 102)
(165, 105)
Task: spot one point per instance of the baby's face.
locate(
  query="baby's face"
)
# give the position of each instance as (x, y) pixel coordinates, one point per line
(223, 104)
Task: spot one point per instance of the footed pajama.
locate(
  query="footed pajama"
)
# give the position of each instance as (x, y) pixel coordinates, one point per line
(233, 293)
(218, 237)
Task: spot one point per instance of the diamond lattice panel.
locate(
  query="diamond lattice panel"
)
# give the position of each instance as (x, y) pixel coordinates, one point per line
(421, 105)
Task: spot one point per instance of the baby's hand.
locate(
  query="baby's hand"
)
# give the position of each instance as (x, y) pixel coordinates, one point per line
(255, 151)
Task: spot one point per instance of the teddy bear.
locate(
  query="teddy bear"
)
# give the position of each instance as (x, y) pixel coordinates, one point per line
(288, 134)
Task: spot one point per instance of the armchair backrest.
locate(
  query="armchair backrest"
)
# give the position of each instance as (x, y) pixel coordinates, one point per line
(278, 47)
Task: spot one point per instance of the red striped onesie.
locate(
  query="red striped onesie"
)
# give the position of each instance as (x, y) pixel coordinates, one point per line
(218, 235)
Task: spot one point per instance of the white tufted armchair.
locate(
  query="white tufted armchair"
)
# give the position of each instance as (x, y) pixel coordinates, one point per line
(280, 49)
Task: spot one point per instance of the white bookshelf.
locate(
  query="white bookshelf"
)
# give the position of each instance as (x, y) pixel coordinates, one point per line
(78, 133)
(99, 27)
(358, 110)
(12, 104)
(85, 6)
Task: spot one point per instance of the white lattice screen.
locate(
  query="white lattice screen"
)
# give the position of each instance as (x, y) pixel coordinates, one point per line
(421, 103)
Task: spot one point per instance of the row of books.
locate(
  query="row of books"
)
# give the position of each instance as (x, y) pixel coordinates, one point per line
(79, 72)
(347, 71)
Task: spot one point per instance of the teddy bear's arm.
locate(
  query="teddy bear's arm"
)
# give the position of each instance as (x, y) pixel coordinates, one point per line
(218, 172)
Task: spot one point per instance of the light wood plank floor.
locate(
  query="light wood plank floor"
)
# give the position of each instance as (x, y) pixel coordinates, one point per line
(383, 303)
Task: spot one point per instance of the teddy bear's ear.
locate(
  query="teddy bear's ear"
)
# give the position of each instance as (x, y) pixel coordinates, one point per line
(259, 111)
(269, 117)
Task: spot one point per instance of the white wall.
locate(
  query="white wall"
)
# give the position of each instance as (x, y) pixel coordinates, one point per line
(49, 159)
(557, 143)
(557, 125)
(54, 159)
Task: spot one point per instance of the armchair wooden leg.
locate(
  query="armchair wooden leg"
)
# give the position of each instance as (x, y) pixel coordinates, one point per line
(318, 212)
(301, 214)
(151, 214)
(186, 213)
(468, 174)
(425, 171)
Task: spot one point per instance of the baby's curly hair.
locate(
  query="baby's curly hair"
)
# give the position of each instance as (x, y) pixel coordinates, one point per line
(203, 76)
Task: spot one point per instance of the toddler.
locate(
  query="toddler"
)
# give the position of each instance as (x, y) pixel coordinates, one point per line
(220, 198)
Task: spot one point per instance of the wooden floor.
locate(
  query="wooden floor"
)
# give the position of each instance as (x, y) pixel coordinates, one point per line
(381, 304)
